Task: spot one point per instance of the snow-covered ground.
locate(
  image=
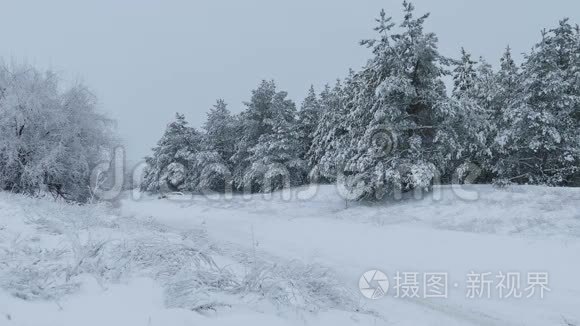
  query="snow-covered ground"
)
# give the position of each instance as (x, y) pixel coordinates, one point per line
(268, 260)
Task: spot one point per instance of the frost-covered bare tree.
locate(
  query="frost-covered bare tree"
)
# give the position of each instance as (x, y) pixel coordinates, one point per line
(50, 137)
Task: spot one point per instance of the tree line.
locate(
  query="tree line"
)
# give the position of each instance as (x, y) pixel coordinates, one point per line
(388, 127)
(393, 126)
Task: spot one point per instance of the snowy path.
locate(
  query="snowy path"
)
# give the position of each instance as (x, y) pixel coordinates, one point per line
(524, 230)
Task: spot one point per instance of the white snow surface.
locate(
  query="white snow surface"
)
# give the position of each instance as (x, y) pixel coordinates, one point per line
(292, 258)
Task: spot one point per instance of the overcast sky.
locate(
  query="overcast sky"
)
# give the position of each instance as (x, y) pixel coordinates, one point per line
(146, 60)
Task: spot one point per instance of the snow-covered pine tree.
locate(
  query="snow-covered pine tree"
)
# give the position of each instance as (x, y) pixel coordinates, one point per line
(507, 91)
(464, 75)
(471, 122)
(269, 143)
(399, 103)
(208, 170)
(308, 118)
(168, 165)
(540, 144)
(252, 123)
(276, 158)
(178, 160)
(331, 135)
(220, 131)
(219, 140)
(507, 76)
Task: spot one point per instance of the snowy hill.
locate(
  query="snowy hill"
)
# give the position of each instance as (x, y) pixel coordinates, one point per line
(265, 259)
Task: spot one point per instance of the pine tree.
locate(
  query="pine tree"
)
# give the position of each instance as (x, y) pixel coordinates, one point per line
(398, 103)
(464, 75)
(168, 164)
(252, 123)
(472, 120)
(178, 160)
(220, 132)
(507, 92)
(541, 144)
(308, 118)
(508, 72)
(269, 141)
(331, 135)
(276, 158)
(506, 84)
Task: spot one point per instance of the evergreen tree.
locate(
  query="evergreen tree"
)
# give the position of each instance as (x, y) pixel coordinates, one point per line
(391, 127)
(167, 166)
(220, 131)
(541, 144)
(178, 160)
(269, 141)
(399, 102)
(309, 116)
(276, 158)
(331, 135)
(464, 75)
(252, 123)
(508, 74)
(507, 91)
(472, 121)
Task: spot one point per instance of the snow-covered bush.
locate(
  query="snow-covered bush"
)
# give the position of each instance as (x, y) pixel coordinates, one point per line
(296, 284)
